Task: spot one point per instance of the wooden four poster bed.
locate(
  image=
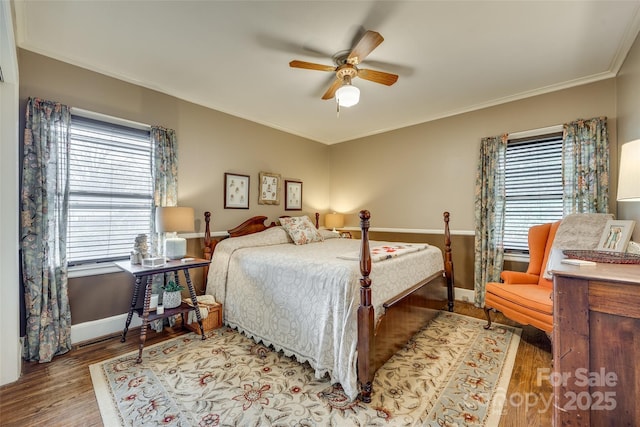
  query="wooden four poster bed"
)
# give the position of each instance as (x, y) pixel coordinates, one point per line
(376, 337)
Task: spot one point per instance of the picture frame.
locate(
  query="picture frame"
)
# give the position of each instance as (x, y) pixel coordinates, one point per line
(616, 235)
(292, 195)
(236, 191)
(269, 188)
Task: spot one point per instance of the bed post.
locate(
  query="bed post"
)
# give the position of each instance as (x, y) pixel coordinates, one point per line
(448, 263)
(207, 235)
(365, 314)
(208, 250)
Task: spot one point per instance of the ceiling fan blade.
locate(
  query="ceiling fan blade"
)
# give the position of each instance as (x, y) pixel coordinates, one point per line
(311, 66)
(378, 76)
(330, 93)
(365, 46)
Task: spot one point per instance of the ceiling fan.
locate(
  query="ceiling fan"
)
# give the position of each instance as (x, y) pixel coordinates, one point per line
(346, 69)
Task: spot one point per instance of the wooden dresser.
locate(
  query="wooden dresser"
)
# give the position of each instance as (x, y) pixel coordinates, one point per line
(596, 345)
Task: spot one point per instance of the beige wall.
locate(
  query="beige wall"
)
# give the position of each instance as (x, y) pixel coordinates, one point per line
(408, 177)
(209, 142)
(628, 97)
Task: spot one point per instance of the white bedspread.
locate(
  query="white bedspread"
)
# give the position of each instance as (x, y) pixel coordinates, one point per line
(303, 299)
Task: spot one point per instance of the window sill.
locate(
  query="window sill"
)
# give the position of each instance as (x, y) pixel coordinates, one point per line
(86, 270)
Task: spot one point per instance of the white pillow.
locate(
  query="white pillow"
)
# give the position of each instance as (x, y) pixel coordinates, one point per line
(301, 229)
(328, 234)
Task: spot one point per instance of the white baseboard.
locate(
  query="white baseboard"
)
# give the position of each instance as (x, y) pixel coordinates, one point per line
(465, 295)
(99, 328)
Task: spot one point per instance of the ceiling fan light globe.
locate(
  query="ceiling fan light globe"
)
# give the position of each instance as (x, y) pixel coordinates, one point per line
(347, 95)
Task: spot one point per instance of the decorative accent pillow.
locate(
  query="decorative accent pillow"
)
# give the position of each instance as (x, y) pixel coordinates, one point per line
(301, 229)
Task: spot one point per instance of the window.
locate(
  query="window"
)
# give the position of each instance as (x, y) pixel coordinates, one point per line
(110, 189)
(533, 187)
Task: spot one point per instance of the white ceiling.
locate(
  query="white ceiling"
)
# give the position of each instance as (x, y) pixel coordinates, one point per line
(233, 56)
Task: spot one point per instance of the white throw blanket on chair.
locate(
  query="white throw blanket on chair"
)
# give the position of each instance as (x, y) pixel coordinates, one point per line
(580, 231)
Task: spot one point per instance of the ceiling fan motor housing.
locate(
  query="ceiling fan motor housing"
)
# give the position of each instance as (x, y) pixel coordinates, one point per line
(346, 72)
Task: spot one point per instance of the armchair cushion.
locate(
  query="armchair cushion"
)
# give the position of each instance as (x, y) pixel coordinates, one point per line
(526, 297)
(526, 304)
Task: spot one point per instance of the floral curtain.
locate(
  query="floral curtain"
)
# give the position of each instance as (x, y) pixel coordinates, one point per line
(164, 172)
(43, 230)
(585, 169)
(489, 214)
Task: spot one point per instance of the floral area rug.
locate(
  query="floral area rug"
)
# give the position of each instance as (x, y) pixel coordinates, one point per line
(453, 372)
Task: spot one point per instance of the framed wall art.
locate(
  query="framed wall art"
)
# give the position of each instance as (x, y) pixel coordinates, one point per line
(269, 189)
(292, 195)
(236, 191)
(616, 235)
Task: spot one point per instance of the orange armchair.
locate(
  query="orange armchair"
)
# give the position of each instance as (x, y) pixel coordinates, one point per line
(526, 296)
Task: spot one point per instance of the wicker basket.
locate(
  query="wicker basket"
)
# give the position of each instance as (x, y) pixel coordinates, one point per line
(604, 256)
(211, 322)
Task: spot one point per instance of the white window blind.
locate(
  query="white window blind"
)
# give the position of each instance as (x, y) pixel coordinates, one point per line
(110, 190)
(533, 187)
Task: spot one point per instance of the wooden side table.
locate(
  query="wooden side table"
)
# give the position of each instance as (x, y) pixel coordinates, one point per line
(145, 274)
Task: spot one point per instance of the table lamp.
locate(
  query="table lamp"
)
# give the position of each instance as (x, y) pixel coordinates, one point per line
(629, 176)
(173, 220)
(629, 186)
(334, 220)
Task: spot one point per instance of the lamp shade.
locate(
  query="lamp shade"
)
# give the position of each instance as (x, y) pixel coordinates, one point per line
(347, 95)
(334, 220)
(629, 176)
(174, 219)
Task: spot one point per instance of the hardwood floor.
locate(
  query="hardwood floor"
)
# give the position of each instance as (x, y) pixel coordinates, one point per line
(60, 393)
(529, 399)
